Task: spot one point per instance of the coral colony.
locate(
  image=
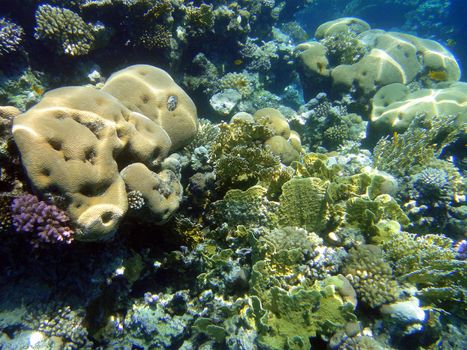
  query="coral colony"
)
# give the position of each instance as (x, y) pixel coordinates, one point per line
(232, 175)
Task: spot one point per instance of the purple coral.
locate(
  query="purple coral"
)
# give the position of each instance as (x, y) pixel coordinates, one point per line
(48, 222)
(461, 249)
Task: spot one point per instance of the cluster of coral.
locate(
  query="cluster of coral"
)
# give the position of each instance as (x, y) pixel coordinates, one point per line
(319, 202)
(90, 147)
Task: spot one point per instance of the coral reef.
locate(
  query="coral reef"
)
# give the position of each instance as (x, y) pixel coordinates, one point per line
(318, 203)
(370, 275)
(10, 37)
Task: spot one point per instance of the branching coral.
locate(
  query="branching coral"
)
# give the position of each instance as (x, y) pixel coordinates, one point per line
(65, 28)
(239, 157)
(370, 275)
(11, 36)
(46, 222)
(424, 139)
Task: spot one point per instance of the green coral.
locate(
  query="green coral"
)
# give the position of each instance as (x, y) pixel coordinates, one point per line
(294, 316)
(343, 47)
(240, 159)
(303, 203)
(249, 208)
(66, 28)
(425, 139)
(281, 254)
(370, 275)
(366, 213)
(241, 82)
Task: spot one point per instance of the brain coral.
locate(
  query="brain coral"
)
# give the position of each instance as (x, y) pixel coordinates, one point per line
(75, 141)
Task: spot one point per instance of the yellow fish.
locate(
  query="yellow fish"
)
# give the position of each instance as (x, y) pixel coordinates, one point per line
(38, 89)
(438, 75)
(238, 61)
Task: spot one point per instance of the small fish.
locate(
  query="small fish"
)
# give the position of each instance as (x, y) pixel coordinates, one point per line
(38, 89)
(238, 61)
(438, 75)
(451, 42)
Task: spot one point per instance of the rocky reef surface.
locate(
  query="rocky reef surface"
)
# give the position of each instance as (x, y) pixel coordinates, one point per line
(223, 175)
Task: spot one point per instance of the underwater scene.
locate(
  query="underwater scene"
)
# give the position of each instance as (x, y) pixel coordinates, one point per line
(240, 175)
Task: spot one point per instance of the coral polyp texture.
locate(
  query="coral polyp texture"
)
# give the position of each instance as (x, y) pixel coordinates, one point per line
(76, 140)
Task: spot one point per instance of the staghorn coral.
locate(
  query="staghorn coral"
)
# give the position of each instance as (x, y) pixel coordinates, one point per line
(240, 160)
(425, 138)
(65, 28)
(370, 275)
(46, 223)
(11, 36)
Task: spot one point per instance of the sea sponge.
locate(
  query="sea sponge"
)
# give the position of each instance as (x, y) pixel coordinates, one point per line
(152, 92)
(72, 144)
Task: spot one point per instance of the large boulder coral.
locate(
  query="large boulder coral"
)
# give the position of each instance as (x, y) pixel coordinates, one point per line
(391, 57)
(73, 144)
(152, 91)
(394, 106)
